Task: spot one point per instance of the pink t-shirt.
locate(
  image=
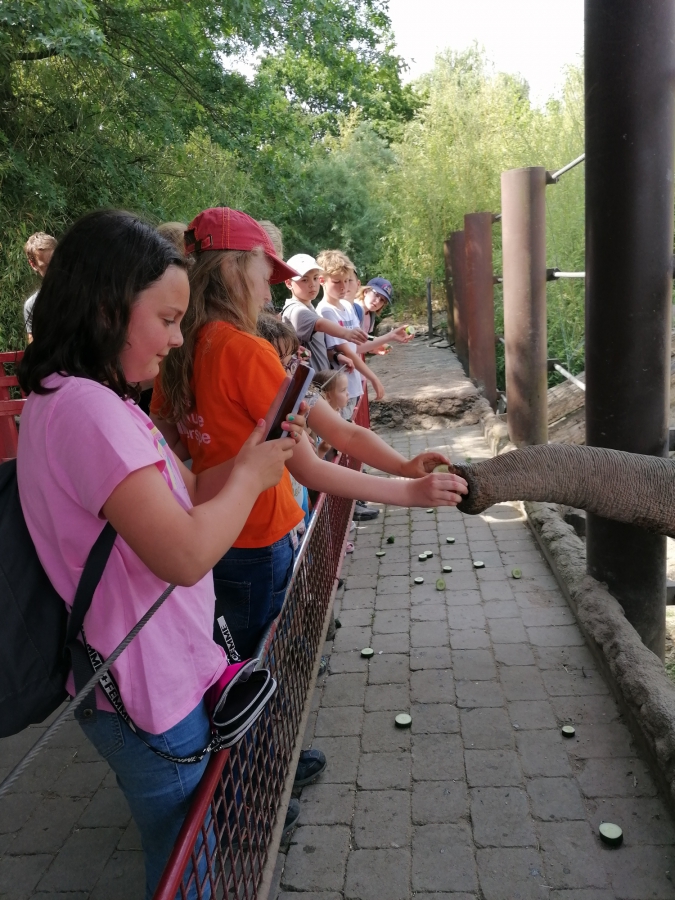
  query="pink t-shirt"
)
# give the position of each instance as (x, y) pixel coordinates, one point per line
(75, 446)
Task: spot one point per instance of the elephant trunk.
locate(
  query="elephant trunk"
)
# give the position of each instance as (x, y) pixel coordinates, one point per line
(626, 487)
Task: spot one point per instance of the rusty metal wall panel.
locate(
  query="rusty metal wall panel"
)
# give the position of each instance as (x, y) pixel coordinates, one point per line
(480, 303)
(449, 292)
(458, 261)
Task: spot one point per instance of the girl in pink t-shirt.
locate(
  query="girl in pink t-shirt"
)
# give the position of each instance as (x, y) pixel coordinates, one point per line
(108, 312)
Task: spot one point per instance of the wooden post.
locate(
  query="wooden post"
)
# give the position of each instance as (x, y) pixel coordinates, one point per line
(480, 303)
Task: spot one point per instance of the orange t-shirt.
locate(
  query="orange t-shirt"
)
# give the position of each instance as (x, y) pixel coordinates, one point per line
(235, 378)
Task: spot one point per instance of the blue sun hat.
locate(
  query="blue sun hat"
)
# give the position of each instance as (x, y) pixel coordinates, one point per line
(382, 287)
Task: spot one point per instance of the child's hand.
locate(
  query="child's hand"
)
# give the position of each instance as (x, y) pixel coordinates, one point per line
(400, 335)
(261, 460)
(355, 335)
(346, 362)
(383, 350)
(294, 425)
(322, 449)
(303, 354)
(440, 489)
(423, 464)
(378, 387)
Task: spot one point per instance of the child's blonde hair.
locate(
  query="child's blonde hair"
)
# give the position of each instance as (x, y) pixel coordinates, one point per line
(275, 235)
(280, 335)
(219, 292)
(335, 262)
(38, 241)
(326, 380)
(174, 232)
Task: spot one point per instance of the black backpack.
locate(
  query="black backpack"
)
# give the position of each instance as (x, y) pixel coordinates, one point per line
(38, 640)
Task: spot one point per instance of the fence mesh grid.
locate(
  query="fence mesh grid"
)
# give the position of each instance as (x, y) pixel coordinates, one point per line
(225, 840)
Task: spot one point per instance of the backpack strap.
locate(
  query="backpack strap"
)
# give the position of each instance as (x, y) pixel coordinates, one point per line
(91, 575)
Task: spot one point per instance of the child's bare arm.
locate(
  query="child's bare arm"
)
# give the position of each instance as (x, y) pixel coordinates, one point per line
(361, 367)
(327, 326)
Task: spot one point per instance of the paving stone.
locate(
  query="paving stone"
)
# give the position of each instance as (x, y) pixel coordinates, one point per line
(443, 859)
(378, 875)
(49, 826)
(15, 809)
(527, 714)
(429, 612)
(437, 757)
(543, 753)
(380, 733)
(390, 643)
(556, 615)
(342, 755)
(469, 597)
(310, 895)
(352, 639)
(439, 802)
(351, 661)
(460, 581)
(562, 683)
(444, 896)
(362, 618)
(469, 639)
(358, 598)
(382, 819)
(479, 693)
(509, 873)
(487, 729)
(522, 683)
(363, 566)
(42, 772)
(434, 718)
(432, 686)
(513, 654)
(507, 631)
(609, 740)
(463, 617)
(387, 696)
(590, 710)
(131, 839)
(20, 874)
(336, 721)
(428, 634)
(81, 860)
(556, 636)
(344, 690)
(621, 778)
(379, 771)
(501, 817)
(327, 804)
(584, 894)
(123, 872)
(394, 584)
(430, 658)
(573, 856)
(388, 668)
(571, 657)
(474, 665)
(643, 872)
(492, 768)
(644, 820)
(391, 621)
(555, 799)
(316, 859)
(499, 600)
(356, 582)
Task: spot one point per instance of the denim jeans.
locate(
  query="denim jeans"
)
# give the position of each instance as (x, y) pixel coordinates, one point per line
(159, 793)
(250, 586)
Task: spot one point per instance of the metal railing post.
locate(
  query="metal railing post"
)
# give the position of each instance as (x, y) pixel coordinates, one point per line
(430, 311)
(524, 274)
(480, 303)
(630, 138)
(458, 260)
(449, 293)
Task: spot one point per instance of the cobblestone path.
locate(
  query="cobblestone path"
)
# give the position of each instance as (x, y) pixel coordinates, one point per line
(482, 797)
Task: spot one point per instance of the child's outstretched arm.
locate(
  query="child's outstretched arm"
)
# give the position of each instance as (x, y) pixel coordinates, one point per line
(433, 490)
(179, 545)
(327, 326)
(361, 367)
(399, 335)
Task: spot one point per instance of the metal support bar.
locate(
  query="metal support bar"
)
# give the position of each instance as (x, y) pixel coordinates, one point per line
(553, 274)
(575, 162)
(430, 312)
(449, 292)
(524, 273)
(630, 145)
(480, 303)
(458, 260)
(554, 365)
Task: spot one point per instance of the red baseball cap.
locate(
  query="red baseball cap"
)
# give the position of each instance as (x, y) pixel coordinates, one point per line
(222, 228)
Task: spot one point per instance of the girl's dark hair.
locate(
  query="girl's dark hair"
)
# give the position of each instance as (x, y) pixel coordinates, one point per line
(280, 335)
(81, 314)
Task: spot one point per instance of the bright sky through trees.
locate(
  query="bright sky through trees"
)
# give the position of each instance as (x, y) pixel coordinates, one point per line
(533, 38)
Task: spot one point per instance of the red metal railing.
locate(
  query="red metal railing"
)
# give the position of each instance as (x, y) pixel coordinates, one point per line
(10, 406)
(225, 840)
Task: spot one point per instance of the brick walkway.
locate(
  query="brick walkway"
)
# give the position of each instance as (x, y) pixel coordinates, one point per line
(482, 797)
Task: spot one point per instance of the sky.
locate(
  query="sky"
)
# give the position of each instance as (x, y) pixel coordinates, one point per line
(533, 38)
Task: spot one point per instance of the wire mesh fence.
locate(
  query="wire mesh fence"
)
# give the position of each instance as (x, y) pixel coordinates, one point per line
(226, 839)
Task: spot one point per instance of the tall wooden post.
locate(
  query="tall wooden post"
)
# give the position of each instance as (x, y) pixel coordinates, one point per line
(480, 303)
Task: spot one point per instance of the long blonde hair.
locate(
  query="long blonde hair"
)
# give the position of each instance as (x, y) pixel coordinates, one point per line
(219, 292)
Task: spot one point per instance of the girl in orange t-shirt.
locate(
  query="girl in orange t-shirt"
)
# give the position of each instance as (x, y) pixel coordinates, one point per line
(219, 384)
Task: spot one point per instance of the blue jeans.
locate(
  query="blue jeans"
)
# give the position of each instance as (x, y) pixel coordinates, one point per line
(159, 793)
(250, 586)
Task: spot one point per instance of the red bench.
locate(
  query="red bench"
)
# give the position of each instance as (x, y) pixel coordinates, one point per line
(9, 406)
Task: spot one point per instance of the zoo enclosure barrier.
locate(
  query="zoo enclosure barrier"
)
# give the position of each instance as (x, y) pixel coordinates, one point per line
(228, 840)
(10, 405)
